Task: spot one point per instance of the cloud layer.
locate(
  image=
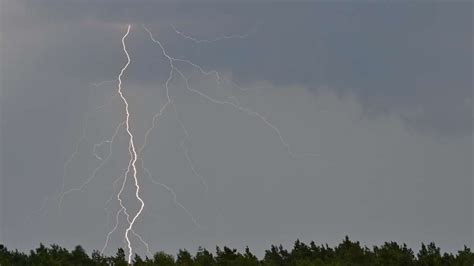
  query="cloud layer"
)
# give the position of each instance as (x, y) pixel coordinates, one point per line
(383, 93)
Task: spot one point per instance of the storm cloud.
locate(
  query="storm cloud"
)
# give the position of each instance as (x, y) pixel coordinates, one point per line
(381, 92)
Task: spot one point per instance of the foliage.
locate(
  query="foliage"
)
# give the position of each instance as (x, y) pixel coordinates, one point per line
(348, 253)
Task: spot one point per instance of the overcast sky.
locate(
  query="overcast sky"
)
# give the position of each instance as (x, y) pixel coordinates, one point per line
(380, 92)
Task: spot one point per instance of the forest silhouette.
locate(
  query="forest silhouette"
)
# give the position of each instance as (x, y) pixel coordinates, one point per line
(348, 252)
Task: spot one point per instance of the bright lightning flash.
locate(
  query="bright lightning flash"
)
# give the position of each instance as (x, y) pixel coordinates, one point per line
(135, 154)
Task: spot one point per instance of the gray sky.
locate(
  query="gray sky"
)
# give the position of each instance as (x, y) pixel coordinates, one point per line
(382, 93)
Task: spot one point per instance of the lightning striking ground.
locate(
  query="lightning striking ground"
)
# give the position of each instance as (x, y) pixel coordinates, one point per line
(136, 153)
(133, 153)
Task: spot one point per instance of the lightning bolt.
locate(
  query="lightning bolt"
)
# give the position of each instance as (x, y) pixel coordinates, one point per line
(216, 39)
(175, 197)
(133, 153)
(234, 104)
(103, 161)
(186, 151)
(62, 193)
(136, 153)
(113, 194)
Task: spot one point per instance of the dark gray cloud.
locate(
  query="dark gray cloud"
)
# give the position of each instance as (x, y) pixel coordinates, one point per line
(383, 92)
(394, 55)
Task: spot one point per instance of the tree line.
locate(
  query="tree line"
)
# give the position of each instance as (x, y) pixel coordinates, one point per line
(347, 252)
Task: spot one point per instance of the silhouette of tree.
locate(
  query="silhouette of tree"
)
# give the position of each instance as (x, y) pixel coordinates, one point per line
(119, 259)
(163, 259)
(98, 259)
(393, 254)
(204, 258)
(347, 253)
(184, 258)
(429, 256)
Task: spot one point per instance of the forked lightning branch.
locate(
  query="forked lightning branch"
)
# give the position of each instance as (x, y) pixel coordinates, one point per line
(135, 166)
